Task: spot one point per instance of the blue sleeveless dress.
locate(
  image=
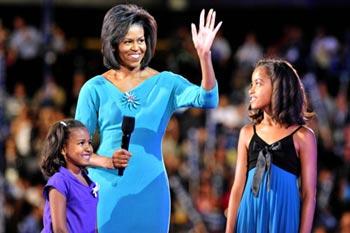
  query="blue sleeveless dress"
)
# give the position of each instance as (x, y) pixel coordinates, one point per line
(138, 201)
(271, 201)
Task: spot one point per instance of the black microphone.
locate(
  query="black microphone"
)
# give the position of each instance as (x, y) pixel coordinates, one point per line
(128, 126)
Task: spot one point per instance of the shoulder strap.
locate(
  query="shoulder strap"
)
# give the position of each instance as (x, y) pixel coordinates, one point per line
(296, 130)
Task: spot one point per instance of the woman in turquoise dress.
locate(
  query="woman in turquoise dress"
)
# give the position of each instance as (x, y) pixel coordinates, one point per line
(139, 200)
(274, 189)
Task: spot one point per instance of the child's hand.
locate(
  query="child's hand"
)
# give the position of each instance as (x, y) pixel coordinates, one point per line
(120, 158)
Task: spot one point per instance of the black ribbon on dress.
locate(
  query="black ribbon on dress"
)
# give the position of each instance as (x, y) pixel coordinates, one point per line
(263, 164)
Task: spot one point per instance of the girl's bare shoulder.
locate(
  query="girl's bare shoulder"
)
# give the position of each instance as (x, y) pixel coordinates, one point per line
(305, 134)
(247, 132)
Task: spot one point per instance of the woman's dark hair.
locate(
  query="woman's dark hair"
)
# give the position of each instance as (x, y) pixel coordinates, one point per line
(288, 99)
(52, 158)
(116, 24)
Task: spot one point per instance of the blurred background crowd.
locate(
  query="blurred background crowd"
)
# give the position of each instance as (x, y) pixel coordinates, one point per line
(48, 52)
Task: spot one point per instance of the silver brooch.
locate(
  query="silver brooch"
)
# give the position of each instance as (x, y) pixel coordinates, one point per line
(130, 100)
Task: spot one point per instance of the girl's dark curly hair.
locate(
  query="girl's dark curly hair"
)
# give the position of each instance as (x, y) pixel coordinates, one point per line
(52, 158)
(116, 24)
(288, 100)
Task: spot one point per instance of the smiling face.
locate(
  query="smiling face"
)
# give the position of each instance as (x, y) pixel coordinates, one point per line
(260, 91)
(78, 149)
(133, 47)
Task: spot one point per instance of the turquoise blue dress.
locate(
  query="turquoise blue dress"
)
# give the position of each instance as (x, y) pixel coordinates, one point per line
(138, 201)
(271, 204)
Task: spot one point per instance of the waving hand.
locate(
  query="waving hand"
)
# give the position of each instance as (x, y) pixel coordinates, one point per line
(203, 39)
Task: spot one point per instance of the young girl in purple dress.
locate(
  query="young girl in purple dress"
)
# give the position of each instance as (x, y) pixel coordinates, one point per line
(70, 196)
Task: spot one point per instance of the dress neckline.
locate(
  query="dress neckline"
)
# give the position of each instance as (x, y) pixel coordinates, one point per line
(70, 174)
(279, 140)
(133, 88)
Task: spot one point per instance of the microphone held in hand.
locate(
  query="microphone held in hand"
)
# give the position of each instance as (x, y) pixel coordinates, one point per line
(128, 126)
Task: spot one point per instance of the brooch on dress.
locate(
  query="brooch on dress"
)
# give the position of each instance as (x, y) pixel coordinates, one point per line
(95, 189)
(130, 100)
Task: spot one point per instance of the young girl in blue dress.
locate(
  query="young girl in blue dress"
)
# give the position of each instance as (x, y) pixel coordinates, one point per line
(275, 178)
(70, 196)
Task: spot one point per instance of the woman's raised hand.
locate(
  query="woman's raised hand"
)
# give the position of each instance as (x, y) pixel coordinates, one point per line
(203, 39)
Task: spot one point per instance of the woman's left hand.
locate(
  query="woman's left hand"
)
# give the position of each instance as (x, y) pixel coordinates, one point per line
(203, 40)
(120, 158)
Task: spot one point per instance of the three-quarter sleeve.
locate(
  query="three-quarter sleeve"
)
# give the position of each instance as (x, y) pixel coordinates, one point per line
(87, 107)
(188, 94)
